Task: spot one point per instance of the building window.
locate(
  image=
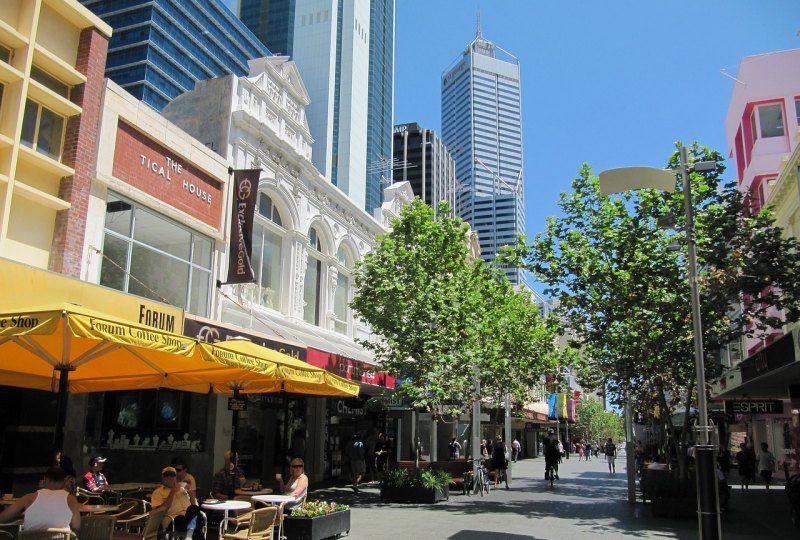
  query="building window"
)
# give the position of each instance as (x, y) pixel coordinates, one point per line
(151, 256)
(50, 82)
(5, 54)
(341, 296)
(42, 130)
(267, 250)
(797, 110)
(767, 121)
(312, 284)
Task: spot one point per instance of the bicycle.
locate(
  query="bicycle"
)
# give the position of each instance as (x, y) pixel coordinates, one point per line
(482, 477)
(551, 475)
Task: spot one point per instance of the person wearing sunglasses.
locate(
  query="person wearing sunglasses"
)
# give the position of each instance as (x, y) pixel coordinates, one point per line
(185, 478)
(296, 485)
(180, 511)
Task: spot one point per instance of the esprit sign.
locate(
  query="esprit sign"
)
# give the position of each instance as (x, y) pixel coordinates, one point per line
(754, 406)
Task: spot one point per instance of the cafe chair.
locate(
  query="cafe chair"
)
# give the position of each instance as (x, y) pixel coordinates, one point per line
(97, 527)
(241, 520)
(129, 508)
(149, 523)
(45, 534)
(260, 526)
(85, 496)
(6, 535)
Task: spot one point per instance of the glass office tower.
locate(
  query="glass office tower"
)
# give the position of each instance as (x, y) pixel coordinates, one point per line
(160, 48)
(482, 128)
(345, 53)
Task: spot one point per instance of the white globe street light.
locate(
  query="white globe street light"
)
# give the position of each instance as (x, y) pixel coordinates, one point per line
(629, 178)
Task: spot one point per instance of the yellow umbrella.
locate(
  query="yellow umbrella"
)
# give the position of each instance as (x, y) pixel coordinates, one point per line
(83, 350)
(294, 375)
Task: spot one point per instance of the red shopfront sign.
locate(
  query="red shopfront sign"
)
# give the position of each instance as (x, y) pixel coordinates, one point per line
(348, 368)
(152, 168)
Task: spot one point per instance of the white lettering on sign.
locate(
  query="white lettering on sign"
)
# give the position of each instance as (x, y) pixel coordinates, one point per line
(342, 408)
(167, 169)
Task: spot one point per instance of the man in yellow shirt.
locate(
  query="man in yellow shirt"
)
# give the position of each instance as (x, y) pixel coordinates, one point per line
(180, 510)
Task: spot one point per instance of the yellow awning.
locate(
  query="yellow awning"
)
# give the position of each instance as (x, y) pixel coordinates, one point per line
(103, 353)
(293, 375)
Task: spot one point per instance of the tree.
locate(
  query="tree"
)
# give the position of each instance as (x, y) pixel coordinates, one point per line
(595, 423)
(441, 318)
(623, 285)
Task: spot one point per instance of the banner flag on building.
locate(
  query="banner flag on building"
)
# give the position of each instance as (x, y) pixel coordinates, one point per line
(551, 407)
(243, 206)
(570, 410)
(561, 405)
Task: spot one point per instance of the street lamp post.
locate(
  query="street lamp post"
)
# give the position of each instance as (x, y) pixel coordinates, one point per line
(627, 178)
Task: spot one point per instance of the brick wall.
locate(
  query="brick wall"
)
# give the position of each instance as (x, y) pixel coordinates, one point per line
(152, 168)
(80, 153)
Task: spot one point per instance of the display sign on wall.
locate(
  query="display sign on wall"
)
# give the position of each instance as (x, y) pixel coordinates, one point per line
(209, 332)
(349, 368)
(165, 175)
(754, 406)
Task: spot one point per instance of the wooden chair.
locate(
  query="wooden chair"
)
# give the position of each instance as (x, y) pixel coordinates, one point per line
(128, 508)
(45, 534)
(152, 522)
(89, 497)
(260, 527)
(97, 527)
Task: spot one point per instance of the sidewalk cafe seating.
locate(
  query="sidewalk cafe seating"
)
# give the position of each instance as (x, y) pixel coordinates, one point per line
(85, 496)
(97, 527)
(260, 526)
(148, 524)
(45, 534)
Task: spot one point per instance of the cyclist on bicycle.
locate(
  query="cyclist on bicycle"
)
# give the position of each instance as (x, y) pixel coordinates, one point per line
(551, 454)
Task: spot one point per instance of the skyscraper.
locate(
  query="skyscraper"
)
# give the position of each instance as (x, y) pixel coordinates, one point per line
(345, 54)
(161, 48)
(421, 158)
(482, 128)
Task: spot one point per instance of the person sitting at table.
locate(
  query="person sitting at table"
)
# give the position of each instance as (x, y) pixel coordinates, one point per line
(180, 511)
(185, 478)
(296, 486)
(95, 480)
(51, 507)
(228, 479)
(70, 480)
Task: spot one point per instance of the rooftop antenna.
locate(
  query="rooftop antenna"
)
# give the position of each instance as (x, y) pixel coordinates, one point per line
(478, 33)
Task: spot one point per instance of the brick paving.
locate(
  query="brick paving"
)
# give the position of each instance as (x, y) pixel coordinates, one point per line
(586, 503)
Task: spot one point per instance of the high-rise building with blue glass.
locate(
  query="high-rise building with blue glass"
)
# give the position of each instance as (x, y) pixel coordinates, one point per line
(482, 128)
(160, 48)
(345, 53)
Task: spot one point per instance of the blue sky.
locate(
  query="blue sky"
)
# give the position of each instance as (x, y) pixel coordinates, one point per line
(608, 82)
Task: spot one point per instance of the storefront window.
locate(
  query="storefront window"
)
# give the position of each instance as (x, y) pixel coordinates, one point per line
(153, 257)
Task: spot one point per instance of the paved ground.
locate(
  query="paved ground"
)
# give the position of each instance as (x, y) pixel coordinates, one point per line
(586, 503)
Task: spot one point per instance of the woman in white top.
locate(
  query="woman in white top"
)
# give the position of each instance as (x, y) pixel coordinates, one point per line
(296, 486)
(49, 508)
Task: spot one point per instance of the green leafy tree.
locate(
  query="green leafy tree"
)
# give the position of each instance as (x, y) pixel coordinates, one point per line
(622, 283)
(441, 318)
(595, 423)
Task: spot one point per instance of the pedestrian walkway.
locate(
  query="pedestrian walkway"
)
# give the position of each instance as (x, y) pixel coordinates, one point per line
(586, 503)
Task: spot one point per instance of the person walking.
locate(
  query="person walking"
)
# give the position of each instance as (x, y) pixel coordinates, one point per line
(356, 452)
(766, 464)
(581, 450)
(499, 462)
(516, 448)
(455, 448)
(611, 455)
(745, 463)
(588, 451)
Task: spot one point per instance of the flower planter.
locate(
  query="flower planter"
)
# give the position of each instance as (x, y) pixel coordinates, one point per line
(417, 495)
(316, 528)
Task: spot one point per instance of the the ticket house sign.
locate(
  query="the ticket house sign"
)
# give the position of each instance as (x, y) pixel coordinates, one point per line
(754, 406)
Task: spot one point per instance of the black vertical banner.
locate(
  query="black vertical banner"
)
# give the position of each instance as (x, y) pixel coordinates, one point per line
(243, 205)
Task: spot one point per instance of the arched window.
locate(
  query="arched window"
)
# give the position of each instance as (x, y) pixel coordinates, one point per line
(268, 235)
(341, 296)
(312, 284)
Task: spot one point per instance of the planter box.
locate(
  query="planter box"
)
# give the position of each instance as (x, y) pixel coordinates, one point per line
(418, 495)
(316, 528)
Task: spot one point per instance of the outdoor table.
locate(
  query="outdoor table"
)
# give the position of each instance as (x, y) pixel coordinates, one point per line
(226, 506)
(8, 502)
(133, 486)
(98, 508)
(276, 500)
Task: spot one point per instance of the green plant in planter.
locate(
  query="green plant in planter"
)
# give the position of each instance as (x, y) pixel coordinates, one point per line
(426, 478)
(312, 509)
